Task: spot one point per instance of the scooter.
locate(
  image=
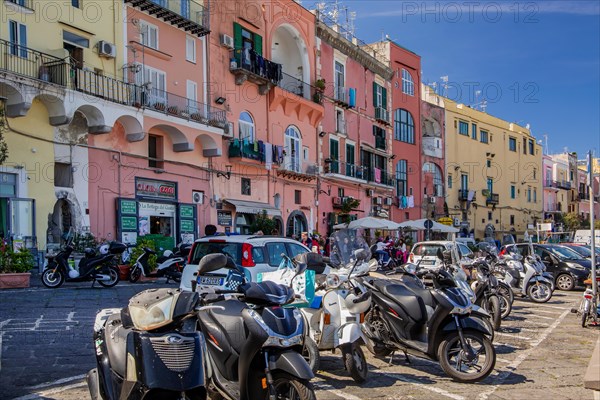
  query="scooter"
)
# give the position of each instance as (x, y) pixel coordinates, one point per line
(334, 321)
(169, 266)
(101, 268)
(253, 344)
(589, 308)
(452, 332)
(149, 349)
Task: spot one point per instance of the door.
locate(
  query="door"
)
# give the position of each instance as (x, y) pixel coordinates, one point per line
(334, 155)
(21, 221)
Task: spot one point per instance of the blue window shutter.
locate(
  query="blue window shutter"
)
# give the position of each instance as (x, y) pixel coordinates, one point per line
(352, 97)
(23, 40)
(185, 9)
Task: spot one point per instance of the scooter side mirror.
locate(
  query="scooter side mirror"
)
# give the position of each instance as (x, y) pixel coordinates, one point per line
(360, 254)
(212, 262)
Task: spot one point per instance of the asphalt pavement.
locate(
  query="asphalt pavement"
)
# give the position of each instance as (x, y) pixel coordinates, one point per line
(542, 352)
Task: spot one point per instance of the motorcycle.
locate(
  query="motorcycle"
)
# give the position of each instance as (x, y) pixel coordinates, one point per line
(169, 265)
(254, 345)
(531, 281)
(441, 324)
(101, 268)
(149, 349)
(334, 322)
(589, 308)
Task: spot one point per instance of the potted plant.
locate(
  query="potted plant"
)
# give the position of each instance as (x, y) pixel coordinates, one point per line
(14, 267)
(159, 106)
(320, 84)
(173, 110)
(196, 116)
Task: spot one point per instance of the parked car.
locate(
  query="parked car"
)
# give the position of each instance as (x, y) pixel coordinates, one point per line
(584, 249)
(425, 253)
(568, 267)
(254, 253)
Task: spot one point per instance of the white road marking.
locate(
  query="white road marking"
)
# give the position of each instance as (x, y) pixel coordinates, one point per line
(57, 382)
(517, 334)
(541, 316)
(2, 324)
(523, 356)
(503, 360)
(426, 386)
(545, 312)
(46, 393)
(549, 306)
(330, 389)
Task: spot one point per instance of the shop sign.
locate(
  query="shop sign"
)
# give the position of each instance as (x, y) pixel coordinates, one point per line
(128, 207)
(186, 211)
(157, 207)
(128, 223)
(156, 189)
(224, 218)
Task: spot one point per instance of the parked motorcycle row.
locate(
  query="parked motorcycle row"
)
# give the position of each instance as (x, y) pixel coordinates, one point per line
(101, 265)
(262, 340)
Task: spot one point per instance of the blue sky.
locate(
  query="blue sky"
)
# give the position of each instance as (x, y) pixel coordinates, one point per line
(536, 62)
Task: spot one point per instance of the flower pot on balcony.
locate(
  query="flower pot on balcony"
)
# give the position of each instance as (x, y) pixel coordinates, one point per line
(159, 106)
(15, 280)
(173, 110)
(196, 116)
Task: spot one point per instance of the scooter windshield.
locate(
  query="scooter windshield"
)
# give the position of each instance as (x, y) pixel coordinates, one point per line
(344, 246)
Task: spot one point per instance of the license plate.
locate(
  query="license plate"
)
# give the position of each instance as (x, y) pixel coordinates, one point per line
(427, 262)
(210, 280)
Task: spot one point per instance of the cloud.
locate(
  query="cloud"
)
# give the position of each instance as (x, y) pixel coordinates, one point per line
(474, 8)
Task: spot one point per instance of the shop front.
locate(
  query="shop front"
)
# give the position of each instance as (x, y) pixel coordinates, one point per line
(245, 214)
(156, 214)
(17, 215)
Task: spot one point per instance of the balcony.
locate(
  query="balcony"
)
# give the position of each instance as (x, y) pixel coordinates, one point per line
(299, 171)
(188, 15)
(492, 199)
(305, 100)
(583, 196)
(247, 65)
(563, 185)
(33, 64)
(339, 95)
(247, 149)
(344, 169)
(382, 115)
(463, 195)
(375, 175)
(26, 5)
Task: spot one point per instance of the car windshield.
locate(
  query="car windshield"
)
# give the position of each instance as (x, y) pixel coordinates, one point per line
(428, 250)
(234, 250)
(344, 242)
(581, 250)
(564, 253)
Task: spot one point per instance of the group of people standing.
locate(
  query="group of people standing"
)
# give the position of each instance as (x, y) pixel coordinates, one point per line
(390, 247)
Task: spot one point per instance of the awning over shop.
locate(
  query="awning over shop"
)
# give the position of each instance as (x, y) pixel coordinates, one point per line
(253, 207)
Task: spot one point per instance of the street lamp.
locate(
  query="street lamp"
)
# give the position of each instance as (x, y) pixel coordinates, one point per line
(226, 175)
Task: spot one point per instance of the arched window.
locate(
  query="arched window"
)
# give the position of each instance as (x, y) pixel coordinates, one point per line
(246, 127)
(293, 149)
(438, 183)
(404, 126)
(402, 178)
(408, 86)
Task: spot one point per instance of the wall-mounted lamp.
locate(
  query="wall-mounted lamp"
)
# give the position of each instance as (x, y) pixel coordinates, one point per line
(220, 100)
(456, 168)
(490, 155)
(328, 192)
(225, 175)
(393, 157)
(321, 134)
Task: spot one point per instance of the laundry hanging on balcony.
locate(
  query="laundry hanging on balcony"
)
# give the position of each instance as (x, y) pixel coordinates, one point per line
(268, 156)
(377, 175)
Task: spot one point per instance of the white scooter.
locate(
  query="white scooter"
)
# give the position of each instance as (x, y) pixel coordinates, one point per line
(335, 321)
(169, 265)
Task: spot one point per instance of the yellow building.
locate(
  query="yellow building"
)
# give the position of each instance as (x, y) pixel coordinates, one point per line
(58, 60)
(494, 179)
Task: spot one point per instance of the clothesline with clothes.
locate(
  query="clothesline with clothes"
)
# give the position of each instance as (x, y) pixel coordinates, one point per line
(261, 66)
(406, 202)
(258, 150)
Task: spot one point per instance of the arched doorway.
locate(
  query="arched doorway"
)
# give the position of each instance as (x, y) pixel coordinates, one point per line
(61, 221)
(296, 224)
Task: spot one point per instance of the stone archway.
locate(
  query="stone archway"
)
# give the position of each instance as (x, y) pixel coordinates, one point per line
(60, 221)
(16, 103)
(178, 138)
(209, 146)
(296, 224)
(288, 48)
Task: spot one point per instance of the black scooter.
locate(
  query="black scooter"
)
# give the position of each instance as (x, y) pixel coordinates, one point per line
(440, 324)
(150, 349)
(101, 268)
(254, 344)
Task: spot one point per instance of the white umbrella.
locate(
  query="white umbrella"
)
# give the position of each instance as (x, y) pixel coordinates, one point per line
(373, 223)
(419, 224)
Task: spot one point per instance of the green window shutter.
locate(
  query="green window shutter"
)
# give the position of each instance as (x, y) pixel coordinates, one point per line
(384, 97)
(258, 44)
(374, 131)
(237, 35)
(375, 94)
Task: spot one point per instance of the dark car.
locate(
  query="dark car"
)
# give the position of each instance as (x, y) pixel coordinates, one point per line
(568, 267)
(583, 249)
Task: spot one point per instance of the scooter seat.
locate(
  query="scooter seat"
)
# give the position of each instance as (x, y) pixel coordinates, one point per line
(410, 302)
(424, 293)
(116, 343)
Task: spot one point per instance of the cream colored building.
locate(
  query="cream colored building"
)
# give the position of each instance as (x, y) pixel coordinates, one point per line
(494, 173)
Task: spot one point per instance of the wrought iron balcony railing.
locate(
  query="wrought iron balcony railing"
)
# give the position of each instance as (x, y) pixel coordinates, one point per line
(300, 88)
(33, 64)
(261, 70)
(23, 3)
(381, 114)
(492, 198)
(463, 195)
(189, 15)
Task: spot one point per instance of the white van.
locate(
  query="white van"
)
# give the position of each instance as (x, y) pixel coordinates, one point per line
(585, 236)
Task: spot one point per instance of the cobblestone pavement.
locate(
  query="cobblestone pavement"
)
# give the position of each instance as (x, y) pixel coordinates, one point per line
(542, 352)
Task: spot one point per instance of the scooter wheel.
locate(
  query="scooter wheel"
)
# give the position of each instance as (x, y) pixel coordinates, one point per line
(493, 307)
(289, 387)
(114, 278)
(539, 293)
(53, 278)
(135, 274)
(450, 354)
(311, 354)
(355, 362)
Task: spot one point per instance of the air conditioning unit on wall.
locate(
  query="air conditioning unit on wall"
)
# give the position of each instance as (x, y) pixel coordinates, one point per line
(107, 49)
(227, 41)
(197, 197)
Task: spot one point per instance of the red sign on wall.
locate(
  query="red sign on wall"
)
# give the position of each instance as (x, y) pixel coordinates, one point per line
(155, 189)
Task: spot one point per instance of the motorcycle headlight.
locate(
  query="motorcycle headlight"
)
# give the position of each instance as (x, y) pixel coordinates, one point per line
(154, 315)
(332, 281)
(277, 340)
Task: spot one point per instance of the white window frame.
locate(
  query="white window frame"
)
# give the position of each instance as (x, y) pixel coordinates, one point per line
(379, 97)
(293, 162)
(145, 28)
(408, 84)
(157, 94)
(245, 128)
(192, 100)
(336, 84)
(17, 47)
(190, 47)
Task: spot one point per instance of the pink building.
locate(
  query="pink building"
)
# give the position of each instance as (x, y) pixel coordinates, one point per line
(262, 67)
(160, 159)
(355, 136)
